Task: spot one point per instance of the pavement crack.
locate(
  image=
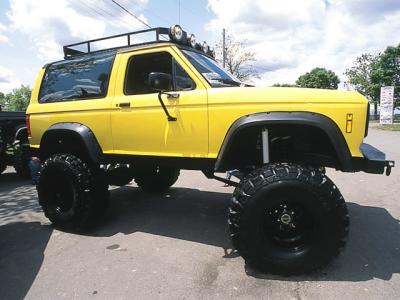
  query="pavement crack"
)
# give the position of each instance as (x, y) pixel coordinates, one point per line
(297, 291)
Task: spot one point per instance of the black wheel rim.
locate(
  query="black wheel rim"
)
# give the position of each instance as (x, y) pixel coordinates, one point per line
(61, 195)
(289, 225)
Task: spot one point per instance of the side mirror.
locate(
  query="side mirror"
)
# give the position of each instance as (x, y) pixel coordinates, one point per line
(160, 82)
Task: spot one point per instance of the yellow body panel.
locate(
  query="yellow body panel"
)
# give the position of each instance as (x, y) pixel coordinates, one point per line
(225, 105)
(143, 129)
(94, 113)
(204, 114)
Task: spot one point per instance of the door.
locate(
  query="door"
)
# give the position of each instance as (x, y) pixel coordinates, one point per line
(139, 124)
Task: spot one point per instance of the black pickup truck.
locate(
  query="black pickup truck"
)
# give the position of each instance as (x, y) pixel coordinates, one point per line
(13, 142)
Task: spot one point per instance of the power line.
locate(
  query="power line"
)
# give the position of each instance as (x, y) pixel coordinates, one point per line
(102, 12)
(136, 17)
(92, 10)
(124, 22)
(151, 12)
(133, 15)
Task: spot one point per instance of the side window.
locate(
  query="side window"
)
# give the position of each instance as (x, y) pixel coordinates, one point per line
(140, 66)
(84, 77)
(182, 80)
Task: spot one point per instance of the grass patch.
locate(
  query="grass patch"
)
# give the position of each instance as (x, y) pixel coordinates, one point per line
(390, 127)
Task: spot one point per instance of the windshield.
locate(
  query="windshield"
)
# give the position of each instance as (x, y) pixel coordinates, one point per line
(211, 71)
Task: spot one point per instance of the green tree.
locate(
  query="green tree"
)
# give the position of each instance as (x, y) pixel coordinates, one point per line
(386, 71)
(370, 72)
(319, 78)
(361, 74)
(284, 85)
(18, 99)
(2, 100)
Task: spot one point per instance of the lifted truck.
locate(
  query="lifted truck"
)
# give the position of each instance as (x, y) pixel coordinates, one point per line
(144, 111)
(13, 142)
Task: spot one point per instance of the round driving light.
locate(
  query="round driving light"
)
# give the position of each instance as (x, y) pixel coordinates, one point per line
(198, 47)
(205, 47)
(211, 52)
(192, 40)
(176, 33)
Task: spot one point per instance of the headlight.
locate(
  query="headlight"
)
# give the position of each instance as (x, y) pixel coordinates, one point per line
(205, 47)
(176, 33)
(192, 40)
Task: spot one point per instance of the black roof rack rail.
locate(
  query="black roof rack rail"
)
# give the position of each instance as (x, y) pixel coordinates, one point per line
(69, 50)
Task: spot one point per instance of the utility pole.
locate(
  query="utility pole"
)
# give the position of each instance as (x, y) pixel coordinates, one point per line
(223, 48)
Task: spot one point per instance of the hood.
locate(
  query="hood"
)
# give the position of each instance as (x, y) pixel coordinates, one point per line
(283, 95)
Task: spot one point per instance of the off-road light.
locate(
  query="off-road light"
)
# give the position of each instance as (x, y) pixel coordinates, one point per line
(198, 46)
(211, 52)
(192, 40)
(205, 47)
(176, 33)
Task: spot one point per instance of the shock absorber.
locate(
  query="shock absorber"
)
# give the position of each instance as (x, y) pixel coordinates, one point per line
(265, 145)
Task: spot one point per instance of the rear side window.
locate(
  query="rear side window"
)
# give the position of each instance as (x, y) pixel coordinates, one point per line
(84, 77)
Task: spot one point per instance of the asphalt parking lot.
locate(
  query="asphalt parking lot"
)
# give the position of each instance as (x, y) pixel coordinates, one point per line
(176, 246)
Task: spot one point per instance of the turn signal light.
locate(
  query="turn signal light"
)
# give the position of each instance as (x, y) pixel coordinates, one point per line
(349, 123)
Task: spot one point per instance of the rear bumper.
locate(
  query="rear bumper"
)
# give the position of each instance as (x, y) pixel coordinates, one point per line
(374, 161)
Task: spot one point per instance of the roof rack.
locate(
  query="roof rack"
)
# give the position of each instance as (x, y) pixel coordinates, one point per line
(70, 50)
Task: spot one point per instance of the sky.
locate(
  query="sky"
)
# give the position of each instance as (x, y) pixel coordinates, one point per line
(289, 37)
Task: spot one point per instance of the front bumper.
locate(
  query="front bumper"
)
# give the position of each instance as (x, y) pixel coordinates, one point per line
(374, 161)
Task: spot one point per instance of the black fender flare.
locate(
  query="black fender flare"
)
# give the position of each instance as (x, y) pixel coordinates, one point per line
(284, 117)
(76, 130)
(21, 134)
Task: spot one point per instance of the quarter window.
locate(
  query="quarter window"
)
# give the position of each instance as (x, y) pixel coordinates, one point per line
(84, 77)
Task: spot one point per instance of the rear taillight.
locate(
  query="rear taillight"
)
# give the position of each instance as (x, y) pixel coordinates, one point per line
(28, 124)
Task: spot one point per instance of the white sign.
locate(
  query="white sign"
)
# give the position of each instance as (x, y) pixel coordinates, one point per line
(386, 113)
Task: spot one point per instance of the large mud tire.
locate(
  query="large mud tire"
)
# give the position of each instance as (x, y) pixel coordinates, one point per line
(72, 195)
(21, 163)
(288, 219)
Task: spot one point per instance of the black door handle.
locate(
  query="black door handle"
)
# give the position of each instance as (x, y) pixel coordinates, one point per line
(124, 104)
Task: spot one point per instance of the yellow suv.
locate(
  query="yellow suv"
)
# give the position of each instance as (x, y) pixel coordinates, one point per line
(146, 110)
